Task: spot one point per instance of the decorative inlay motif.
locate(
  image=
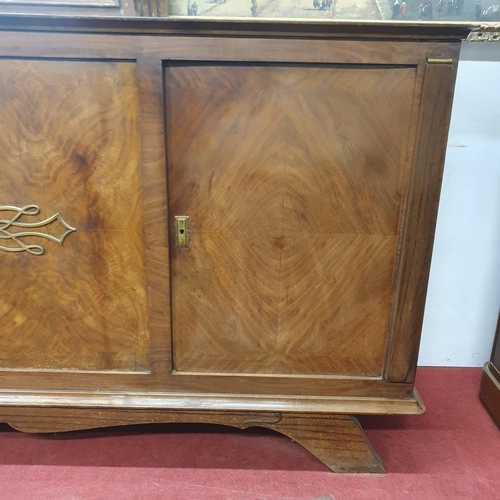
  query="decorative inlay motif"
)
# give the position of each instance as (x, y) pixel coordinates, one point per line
(485, 33)
(7, 224)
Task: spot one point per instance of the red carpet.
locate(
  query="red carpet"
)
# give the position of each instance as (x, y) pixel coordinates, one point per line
(452, 451)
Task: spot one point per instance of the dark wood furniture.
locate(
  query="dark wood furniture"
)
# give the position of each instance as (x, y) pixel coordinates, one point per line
(490, 380)
(308, 158)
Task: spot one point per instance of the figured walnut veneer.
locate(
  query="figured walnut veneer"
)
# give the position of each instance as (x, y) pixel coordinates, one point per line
(69, 142)
(308, 158)
(294, 180)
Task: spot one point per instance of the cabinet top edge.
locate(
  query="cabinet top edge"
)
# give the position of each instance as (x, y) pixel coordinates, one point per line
(240, 28)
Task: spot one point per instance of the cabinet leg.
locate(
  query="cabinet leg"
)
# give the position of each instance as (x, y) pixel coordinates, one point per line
(337, 440)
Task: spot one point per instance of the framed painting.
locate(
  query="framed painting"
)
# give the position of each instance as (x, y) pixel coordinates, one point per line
(426, 11)
(484, 15)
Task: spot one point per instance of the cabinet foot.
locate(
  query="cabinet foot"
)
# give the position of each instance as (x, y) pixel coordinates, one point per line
(336, 440)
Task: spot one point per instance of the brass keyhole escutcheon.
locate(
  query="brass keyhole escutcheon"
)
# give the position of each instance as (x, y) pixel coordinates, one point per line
(182, 231)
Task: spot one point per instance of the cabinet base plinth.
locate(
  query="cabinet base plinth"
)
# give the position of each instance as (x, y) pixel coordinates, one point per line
(336, 440)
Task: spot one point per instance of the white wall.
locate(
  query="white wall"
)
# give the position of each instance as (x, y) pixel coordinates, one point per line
(464, 290)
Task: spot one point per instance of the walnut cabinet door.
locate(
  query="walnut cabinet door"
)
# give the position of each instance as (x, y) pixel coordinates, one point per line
(294, 179)
(75, 230)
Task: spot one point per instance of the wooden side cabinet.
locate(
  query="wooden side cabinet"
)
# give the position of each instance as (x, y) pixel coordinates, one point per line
(218, 222)
(490, 382)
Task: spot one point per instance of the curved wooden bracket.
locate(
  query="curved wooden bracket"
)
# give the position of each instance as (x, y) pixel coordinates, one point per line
(337, 440)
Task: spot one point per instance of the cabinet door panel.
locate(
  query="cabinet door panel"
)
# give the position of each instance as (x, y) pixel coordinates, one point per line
(294, 178)
(69, 142)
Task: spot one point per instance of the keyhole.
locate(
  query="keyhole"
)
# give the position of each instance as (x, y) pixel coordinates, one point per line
(181, 231)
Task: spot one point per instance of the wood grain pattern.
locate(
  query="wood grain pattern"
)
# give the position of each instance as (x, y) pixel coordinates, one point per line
(69, 143)
(345, 403)
(293, 181)
(336, 440)
(101, 43)
(437, 33)
(418, 236)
